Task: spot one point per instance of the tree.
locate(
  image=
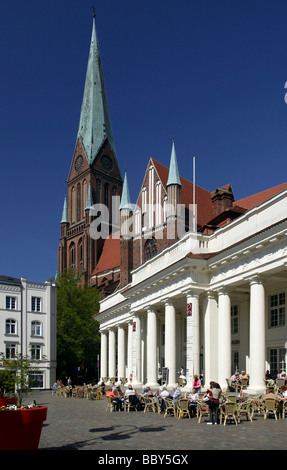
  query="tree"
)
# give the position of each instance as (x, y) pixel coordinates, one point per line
(16, 378)
(78, 338)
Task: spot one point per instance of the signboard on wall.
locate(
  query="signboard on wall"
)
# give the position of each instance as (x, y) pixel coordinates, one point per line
(165, 375)
(189, 310)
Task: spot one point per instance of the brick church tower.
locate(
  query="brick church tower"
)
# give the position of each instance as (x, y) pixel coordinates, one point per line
(94, 175)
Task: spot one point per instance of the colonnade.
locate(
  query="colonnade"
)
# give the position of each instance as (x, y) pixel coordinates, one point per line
(132, 346)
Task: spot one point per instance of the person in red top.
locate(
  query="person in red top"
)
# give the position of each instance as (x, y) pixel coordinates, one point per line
(196, 383)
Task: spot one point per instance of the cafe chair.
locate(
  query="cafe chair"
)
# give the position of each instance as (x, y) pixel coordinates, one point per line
(110, 405)
(149, 404)
(170, 407)
(229, 412)
(245, 408)
(244, 384)
(183, 408)
(231, 398)
(270, 407)
(202, 410)
(131, 403)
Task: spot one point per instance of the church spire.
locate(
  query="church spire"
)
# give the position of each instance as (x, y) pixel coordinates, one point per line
(95, 123)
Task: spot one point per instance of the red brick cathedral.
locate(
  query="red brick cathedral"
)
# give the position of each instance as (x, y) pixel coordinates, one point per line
(95, 178)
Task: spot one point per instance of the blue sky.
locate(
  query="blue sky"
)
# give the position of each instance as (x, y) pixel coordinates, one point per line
(210, 73)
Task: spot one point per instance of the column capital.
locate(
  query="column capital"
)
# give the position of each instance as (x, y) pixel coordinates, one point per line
(191, 293)
(223, 290)
(256, 279)
(168, 302)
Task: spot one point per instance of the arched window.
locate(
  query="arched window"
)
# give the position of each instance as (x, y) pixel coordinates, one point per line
(72, 255)
(73, 205)
(11, 327)
(79, 205)
(98, 191)
(80, 254)
(36, 328)
(85, 195)
(107, 194)
(150, 249)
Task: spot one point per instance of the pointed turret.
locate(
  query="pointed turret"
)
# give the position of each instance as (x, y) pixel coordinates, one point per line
(173, 175)
(125, 200)
(95, 123)
(173, 184)
(65, 216)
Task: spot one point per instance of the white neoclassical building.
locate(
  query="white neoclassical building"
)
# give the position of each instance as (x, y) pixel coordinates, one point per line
(212, 303)
(211, 300)
(28, 318)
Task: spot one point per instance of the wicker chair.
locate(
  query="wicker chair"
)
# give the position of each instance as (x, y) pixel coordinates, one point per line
(202, 410)
(270, 407)
(149, 404)
(183, 408)
(170, 407)
(245, 408)
(229, 411)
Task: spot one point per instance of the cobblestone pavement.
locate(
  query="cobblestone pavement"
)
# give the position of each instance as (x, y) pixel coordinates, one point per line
(81, 424)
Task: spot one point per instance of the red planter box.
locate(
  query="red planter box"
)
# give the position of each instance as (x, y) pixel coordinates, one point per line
(21, 429)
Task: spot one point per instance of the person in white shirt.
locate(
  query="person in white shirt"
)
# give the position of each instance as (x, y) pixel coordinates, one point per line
(193, 397)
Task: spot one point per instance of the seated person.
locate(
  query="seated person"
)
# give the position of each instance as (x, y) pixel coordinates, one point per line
(147, 392)
(130, 395)
(164, 394)
(118, 398)
(176, 394)
(193, 397)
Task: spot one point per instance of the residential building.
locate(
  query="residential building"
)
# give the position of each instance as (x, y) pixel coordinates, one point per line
(28, 316)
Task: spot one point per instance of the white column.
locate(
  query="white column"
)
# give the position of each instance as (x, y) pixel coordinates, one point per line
(257, 334)
(112, 353)
(170, 343)
(130, 351)
(104, 354)
(224, 337)
(121, 352)
(151, 348)
(210, 338)
(136, 350)
(192, 338)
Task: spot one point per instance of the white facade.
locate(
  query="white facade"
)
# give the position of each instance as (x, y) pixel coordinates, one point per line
(28, 316)
(210, 303)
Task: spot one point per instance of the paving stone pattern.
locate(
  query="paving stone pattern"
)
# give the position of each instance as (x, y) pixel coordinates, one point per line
(82, 424)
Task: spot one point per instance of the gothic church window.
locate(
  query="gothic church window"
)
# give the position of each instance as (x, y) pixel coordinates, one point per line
(85, 194)
(79, 207)
(73, 205)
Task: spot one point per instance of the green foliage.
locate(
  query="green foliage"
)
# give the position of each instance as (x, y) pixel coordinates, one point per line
(7, 382)
(78, 338)
(16, 375)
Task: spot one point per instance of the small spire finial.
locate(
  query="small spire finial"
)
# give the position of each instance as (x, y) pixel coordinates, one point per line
(94, 12)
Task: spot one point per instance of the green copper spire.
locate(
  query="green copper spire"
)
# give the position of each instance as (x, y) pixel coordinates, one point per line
(125, 200)
(65, 217)
(95, 123)
(173, 175)
(89, 202)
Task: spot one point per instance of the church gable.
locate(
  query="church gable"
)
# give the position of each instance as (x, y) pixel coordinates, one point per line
(79, 163)
(106, 163)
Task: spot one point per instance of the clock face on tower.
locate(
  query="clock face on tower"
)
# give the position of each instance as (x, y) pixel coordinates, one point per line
(107, 162)
(79, 163)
